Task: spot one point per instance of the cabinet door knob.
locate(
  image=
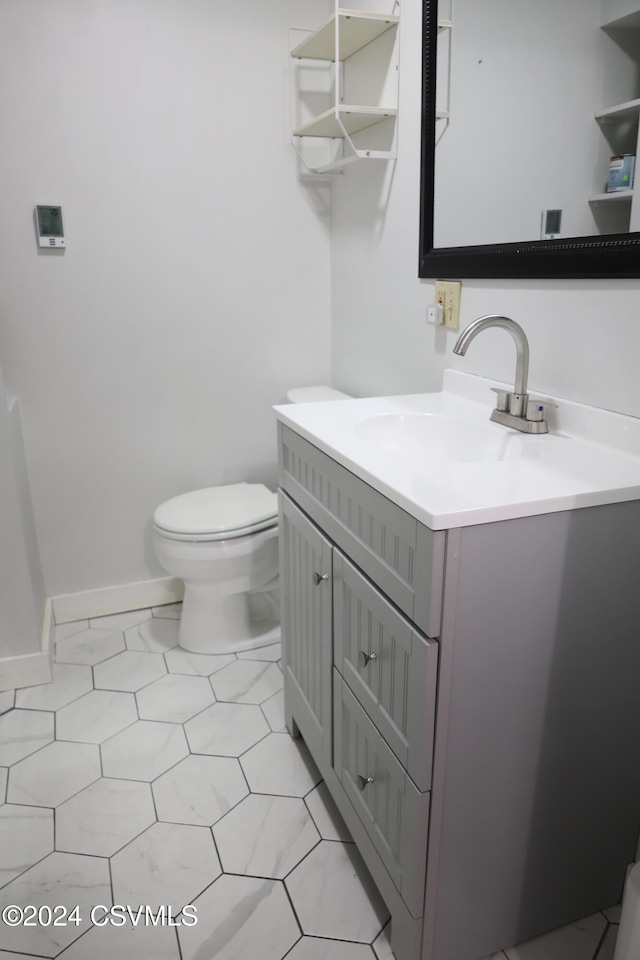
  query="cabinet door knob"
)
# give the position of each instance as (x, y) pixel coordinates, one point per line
(319, 577)
(364, 658)
(363, 781)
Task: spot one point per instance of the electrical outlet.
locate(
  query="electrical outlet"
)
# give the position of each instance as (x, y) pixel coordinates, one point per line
(447, 294)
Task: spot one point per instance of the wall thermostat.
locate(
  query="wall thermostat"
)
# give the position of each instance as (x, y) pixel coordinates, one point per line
(49, 223)
(550, 226)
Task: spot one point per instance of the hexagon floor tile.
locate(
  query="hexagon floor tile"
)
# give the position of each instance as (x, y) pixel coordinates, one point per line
(144, 750)
(280, 765)
(315, 948)
(96, 716)
(170, 611)
(104, 817)
(265, 836)
(26, 836)
(120, 621)
(129, 671)
(273, 709)
(64, 630)
(196, 664)
(174, 697)
(326, 815)
(226, 729)
(54, 774)
(241, 917)
(382, 945)
(61, 878)
(4, 773)
(273, 651)
(22, 732)
(7, 700)
(70, 681)
(168, 864)
(247, 681)
(199, 790)
(334, 896)
(155, 636)
(89, 646)
(140, 942)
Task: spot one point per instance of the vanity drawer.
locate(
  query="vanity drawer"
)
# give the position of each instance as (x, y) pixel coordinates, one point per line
(396, 685)
(405, 558)
(392, 810)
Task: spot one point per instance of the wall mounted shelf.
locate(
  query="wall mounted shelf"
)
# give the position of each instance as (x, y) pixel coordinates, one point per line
(620, 113)
(621, 196)
(359, 50)
(355, 30)
(335, 121)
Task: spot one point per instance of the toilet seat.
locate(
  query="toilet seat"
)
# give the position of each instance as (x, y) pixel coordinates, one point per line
(218, 513)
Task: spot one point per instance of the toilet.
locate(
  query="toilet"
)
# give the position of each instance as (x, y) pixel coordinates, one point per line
(223, 543)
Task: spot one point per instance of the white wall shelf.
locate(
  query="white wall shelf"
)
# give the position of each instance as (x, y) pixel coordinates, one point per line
(620, 113)
(620, 196)
(335, 121)
(358, 84)
(355, 30)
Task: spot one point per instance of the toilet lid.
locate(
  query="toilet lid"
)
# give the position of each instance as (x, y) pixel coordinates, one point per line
(218, 510)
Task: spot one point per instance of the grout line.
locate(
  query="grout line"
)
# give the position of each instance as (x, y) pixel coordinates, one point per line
(602, 939)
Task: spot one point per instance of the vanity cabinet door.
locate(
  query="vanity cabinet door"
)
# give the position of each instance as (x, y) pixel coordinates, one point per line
(305, 586)
(392, 810)
(389, 666)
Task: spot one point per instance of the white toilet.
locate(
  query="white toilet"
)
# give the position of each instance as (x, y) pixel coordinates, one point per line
(223, 543)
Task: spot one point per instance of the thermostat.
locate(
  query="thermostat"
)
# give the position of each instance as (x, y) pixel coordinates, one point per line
(49, 223)
(550, 225)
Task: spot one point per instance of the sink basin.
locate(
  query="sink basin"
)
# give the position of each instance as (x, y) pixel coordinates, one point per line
(440, 437)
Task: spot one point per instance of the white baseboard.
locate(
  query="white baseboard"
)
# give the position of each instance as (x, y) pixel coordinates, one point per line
(120, 599)
(31, 669)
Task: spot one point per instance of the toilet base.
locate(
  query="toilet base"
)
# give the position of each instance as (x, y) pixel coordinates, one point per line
(213, 623)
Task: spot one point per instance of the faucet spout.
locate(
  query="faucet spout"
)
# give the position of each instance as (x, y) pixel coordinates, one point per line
(512, 409)
(519, 336)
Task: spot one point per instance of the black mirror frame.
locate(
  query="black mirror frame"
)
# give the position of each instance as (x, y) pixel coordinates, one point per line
(613, 256)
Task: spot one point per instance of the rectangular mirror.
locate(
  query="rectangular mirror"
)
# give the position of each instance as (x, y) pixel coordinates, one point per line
(524, 108)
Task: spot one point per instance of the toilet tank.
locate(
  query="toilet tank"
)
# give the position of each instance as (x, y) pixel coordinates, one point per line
(315, 394)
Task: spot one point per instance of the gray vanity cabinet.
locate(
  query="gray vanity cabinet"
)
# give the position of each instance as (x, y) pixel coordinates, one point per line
(470, 698)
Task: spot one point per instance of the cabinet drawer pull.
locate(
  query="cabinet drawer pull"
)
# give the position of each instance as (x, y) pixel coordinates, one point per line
(319, 577)
(364, 658)
(363, 781)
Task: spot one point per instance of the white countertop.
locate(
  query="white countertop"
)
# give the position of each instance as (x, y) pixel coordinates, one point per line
(589, 457)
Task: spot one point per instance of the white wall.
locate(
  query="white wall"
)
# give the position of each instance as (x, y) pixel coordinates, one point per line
(21, 587)
(194, 289)
(584, 336)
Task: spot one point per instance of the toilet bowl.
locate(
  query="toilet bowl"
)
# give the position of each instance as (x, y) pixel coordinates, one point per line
(223, 543)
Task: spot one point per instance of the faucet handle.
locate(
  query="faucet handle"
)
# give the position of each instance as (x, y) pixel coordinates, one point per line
(502, 400)
(536, 407)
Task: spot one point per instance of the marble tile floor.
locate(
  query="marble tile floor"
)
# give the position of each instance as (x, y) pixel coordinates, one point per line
(147, 776)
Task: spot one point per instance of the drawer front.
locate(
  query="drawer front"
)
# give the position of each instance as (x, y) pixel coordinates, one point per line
(393, 812)
(402, 556)
(397, 687)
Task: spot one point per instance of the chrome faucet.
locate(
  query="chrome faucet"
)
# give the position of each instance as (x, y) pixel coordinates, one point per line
(515, 409)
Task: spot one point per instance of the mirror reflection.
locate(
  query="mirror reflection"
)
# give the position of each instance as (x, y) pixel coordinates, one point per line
(533, 102)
